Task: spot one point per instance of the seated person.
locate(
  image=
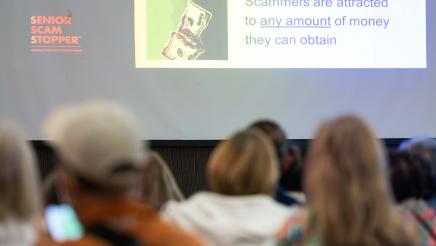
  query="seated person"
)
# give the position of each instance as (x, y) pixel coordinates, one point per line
(101, 157)
(20, 201)
(349, 200)
(425, 149)
(159, 185)
(289, 162)
(239, 210)
(411, 182)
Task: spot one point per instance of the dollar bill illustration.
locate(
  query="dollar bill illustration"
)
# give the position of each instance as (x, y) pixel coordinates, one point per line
(195, 18)
(185, 43)
(183, 47)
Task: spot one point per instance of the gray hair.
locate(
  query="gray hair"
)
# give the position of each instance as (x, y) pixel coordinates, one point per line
(159, 184)
(19, 181)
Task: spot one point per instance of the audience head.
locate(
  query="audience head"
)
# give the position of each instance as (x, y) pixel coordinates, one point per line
(292, 172)
(159, 184)
(289, 156)
(19, 182)
(276, 134)
(410, 176)
(425, 150)
(245, 164)
(347, 187)
(98, 144)
(422, 146)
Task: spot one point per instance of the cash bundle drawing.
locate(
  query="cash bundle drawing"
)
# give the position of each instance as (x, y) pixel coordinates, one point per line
(185, 43)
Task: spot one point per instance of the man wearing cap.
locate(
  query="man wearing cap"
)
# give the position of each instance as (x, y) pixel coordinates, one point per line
(101, 155)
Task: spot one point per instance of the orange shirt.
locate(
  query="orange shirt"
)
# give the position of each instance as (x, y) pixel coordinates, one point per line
(128, 217)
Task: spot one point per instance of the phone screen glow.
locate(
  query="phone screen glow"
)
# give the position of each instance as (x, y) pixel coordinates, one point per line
(62, 223)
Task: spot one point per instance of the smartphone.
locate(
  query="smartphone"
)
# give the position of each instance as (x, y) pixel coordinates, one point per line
(62, 223)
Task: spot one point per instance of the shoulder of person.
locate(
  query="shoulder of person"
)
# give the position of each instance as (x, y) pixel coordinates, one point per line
(419, 221)
(154, 233)
(198, 198)
(294, 229)
(87, 240)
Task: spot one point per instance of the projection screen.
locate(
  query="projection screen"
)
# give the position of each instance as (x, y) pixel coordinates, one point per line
(201, 69)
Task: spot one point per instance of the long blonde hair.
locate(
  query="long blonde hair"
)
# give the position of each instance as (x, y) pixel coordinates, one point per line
(347, 187)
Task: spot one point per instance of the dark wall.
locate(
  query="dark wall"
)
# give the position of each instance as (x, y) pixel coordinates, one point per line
(187, 162)
(187, 159)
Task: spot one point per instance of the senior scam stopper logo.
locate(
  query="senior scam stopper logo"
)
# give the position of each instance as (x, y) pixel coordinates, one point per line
(50, 34)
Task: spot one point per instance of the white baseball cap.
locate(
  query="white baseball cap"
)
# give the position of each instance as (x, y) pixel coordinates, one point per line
(98, 141)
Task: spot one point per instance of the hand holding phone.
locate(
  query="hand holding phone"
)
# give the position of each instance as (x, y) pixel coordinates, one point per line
(62, 223)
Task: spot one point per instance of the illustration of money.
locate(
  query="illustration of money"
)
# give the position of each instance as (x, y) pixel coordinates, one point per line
(185, 43)
(195, 19)
(183, 47)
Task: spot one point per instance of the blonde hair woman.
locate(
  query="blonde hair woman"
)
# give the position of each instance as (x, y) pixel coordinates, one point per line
(239, 210)
(19, 195)
(348, 195)
(159, 185)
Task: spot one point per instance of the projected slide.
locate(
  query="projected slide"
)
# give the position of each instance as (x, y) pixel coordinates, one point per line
(280, 34)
